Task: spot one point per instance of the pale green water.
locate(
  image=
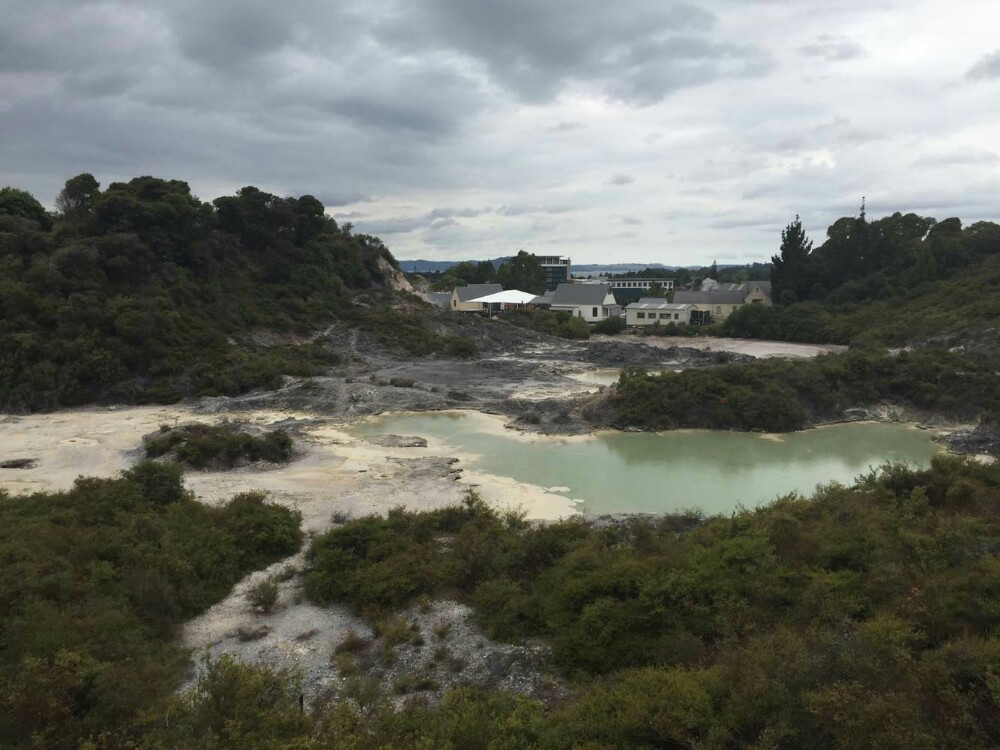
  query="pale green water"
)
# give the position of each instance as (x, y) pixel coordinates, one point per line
(658, 473)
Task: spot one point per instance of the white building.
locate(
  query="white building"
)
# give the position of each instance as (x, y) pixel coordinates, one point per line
(644, 284)
(592, 302)
(651, 310)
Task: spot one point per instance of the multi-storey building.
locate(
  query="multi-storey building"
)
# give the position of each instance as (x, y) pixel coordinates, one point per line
(556, 269)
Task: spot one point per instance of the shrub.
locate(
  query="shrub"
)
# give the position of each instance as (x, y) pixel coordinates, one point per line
(217, 446)
(613, 324)
(263, 595)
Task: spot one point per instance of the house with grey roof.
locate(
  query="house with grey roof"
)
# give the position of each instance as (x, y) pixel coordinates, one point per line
(592, 302)
(652, 310)
(719, 304)
(462, 296)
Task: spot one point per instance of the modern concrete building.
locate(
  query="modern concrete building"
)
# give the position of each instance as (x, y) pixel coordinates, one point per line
(556, 269)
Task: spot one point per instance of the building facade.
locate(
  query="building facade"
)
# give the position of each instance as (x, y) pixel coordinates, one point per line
(592, 302)
(651, 311)
(556, 270)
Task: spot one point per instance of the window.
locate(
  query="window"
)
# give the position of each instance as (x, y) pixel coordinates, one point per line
(677, 316)
(665, 316)
(641, 315)
(604, 311)
(594, 313)
(718, 310)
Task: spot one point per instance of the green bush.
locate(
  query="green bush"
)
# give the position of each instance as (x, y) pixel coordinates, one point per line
(223, 446)
(785, 395)
(614, 324)
(93, 585)
(262, 596)
(554, 323)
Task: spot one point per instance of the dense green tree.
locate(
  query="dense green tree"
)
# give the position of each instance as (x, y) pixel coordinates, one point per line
(791, 268)
(148, 294)
(77, 199)
(522, 272)
(20, 203)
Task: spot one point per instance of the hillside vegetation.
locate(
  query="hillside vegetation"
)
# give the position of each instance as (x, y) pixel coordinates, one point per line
(141, 292)
(897, 281)
(93, 584)
(862, 617)
(785, 395)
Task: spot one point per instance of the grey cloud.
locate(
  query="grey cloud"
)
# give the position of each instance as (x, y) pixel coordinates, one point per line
(522, 209)
(636, 51)
(400, 225)
(350, 215)
(621, 179)
(566, 127)
(464, 213)
(334, 198)
(958, 158)
(987, 67)
(832, 49)
(632, 220)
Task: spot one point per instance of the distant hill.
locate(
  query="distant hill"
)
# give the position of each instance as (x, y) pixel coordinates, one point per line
(436, 266)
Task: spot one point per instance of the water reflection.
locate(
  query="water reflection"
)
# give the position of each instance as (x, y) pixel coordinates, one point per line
(644, 472)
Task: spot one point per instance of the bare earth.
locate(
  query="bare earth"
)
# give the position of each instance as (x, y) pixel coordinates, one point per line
(753, 347)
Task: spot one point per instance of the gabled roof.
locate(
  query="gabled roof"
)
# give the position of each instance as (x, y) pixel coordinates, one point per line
(717, 297)
(763, 285)
(650, 300)
(658, 305)
(473, 291)
(441, 299)
(544, 299)
(576, 295)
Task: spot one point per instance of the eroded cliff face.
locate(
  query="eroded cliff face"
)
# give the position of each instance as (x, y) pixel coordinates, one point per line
(394, 278)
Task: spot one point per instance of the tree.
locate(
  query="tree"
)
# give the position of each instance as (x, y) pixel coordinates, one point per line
(790, 268)
(713, 272)
(76, 200)
(522, 272)
(14, 202)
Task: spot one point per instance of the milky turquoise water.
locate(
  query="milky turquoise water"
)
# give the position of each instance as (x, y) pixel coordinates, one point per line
(715, 472)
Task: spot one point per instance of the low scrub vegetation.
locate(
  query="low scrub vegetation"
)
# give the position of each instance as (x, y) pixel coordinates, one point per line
(784, 395)
(611, 325)
(861, 617)
(221, 446)
(554, 323)
(93, 584)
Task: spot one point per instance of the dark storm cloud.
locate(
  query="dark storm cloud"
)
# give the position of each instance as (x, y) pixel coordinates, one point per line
(620, 180)
(987, 67)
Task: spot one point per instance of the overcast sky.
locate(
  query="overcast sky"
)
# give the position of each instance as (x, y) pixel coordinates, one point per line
(632, 130)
